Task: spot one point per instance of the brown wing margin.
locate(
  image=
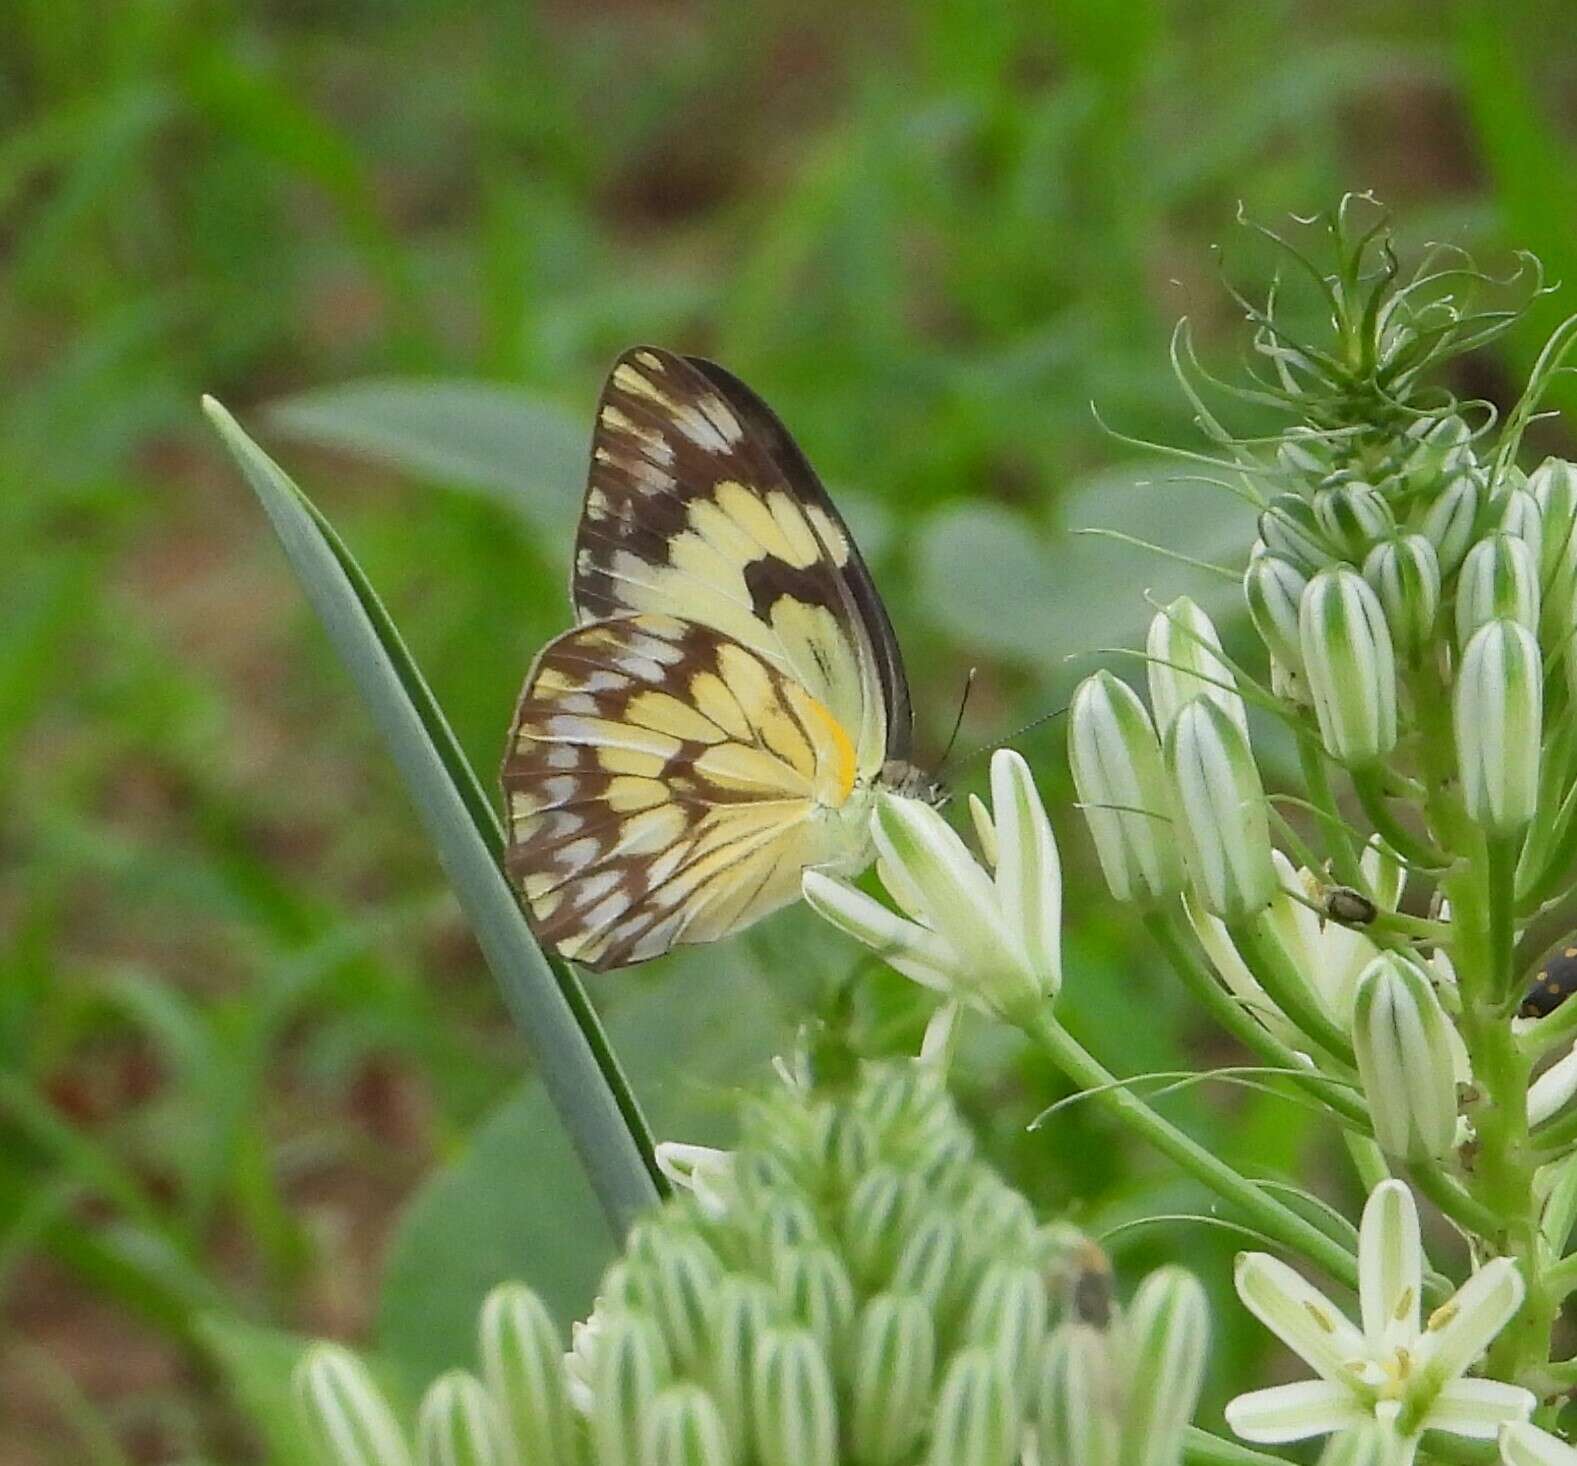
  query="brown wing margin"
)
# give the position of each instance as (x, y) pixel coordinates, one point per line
(764, 425)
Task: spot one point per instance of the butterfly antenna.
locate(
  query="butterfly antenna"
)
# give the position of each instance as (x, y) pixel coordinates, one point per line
(958, 722)
(995, 744)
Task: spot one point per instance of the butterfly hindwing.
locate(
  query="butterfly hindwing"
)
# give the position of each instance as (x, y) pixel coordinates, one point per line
(698, 505)
(667, 784)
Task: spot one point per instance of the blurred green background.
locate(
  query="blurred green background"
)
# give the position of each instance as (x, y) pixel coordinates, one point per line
(254, 1081)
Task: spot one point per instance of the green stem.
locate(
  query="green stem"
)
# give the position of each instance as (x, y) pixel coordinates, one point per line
(1560, 1280)
(1500, 872)
(1338, 839)
(1270, 1216)
(1452, 1199)
(1330, 1092)
(1200, 1448)
(1265, 956)
(1371, 795)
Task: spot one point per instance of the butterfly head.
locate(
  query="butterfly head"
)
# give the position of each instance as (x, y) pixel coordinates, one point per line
(899, 776)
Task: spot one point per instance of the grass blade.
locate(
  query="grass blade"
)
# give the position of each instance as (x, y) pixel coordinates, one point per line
(578, 1068)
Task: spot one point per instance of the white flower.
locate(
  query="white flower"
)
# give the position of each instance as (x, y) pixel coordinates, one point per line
(1553, 1088)
(698, 1168)
(1527, 1445)
(993, 940)
(1395, 1373)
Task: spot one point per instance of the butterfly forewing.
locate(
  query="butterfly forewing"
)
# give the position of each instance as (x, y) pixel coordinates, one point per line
(699, 506)
(668, 784)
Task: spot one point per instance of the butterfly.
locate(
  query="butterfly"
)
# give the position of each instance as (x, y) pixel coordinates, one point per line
(731, 697)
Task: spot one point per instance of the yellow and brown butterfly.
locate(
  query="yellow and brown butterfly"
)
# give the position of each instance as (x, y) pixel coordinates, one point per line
(731, 697)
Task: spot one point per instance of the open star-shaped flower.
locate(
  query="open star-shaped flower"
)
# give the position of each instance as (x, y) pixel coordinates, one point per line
(1398, 1373)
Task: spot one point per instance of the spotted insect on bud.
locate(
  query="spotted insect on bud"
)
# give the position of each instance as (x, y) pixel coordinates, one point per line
(1404, 573)
(977, 1415)
(1402, 1039)
(894, 1372)
(1222, 822)
(1273, 587)
(1166, 1334)
(1121, 782)
(1289, 530)
(1350, 665)
(346, 1416)
(1185, 662)
(1500, 577)
(1352, 517)
(458, 1424)
(522, 1353)
(1555, 981)
(1450, 521)
(1498, 709)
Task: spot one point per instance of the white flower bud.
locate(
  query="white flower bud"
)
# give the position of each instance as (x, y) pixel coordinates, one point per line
(932, 1264)
(745, 1309)
(684, 1273)
(1008, 1316)
(684, 1428)
(977, 1417)
(522, 1362)
(1350, 666)
(881, 1207)
(1401, 1036)
(1077, 1399)
(1289, 529)
(1553, 485)
(795, 1409)
(1222, 823)
(1273, 587)
(1451, 519)
(1118, 772)
(1499, 715)
(629, 1367)
(1500, 577)
(1521, 516)
(1185, 662)
(1404, 574)
(894, 1368)
(458, 1424)
(1167, 1336)
(1303, 452)
(1352, 517)
(346, 1416)
(1522, 1444)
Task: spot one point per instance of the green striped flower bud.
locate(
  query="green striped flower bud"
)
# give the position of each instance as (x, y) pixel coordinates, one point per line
(784, 1220)
(1553, 485)
(845, 1145)
(459, 1425)
(346, 1416)
(1350, 666)
(1404, 574)
(1185, 662)
(1402, 1039)
(1521, 517)
(522, 1362)
(684, 1428)
(1008, 1316)
(1222, 823)
(816, 1291)
(1303, 453)
(1077, 1399)
(795, 1410)
(1273, 588)
(684, 1274)
(1451, 520)
(1352, 517)
(894, 1371)
(1500, 577)
(745, 1309)
(880, 1209)
(1499, 714)
(1121, 782)
(977, 1417)
(933, 1264)
(1289, 530)
(630, 1367)
(1166, 1334)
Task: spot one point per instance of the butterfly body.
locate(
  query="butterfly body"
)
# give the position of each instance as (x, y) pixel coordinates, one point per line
(732, 698)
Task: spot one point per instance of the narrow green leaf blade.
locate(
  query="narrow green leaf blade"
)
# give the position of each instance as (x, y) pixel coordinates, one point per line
(577, 1067)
